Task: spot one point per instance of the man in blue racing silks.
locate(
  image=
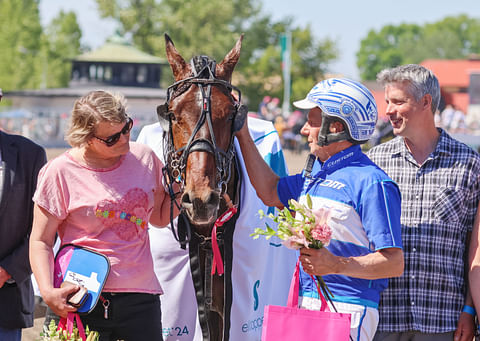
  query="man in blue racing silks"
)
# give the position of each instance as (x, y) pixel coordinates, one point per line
(366, 246)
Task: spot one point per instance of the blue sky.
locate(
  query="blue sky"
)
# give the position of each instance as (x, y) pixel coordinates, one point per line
(346, 22)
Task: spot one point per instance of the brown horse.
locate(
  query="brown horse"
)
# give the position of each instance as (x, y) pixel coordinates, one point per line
(200, 117)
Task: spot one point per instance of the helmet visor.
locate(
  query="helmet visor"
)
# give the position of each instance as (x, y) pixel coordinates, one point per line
(305, 104)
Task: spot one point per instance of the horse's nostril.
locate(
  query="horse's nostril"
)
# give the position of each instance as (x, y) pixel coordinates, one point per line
(213, 199)
(186, 198)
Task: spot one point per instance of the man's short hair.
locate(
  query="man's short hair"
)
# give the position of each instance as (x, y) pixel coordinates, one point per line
(421, 81)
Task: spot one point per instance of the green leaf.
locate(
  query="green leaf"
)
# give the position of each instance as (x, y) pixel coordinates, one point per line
(288, 215)
(309, 201)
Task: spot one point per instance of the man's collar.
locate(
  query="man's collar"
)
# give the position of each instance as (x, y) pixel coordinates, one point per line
(400, 148)
(341, 158)
(443, 143)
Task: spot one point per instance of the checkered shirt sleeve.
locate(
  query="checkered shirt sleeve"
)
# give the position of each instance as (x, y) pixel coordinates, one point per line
(439, 203)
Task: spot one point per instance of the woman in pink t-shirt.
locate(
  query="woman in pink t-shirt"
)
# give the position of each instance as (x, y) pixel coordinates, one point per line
(101, 194)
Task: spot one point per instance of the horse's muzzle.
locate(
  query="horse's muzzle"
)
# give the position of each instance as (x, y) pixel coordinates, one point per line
(201, 211)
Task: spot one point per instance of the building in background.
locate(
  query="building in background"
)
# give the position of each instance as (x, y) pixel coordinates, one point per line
(117, 66)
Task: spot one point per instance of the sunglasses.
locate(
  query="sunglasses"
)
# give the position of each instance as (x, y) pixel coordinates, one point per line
(111, 140)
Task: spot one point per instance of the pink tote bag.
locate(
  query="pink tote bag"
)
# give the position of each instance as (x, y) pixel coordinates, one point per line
(293, 323)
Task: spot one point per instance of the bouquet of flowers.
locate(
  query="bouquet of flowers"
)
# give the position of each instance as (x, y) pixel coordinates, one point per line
(304, 228)
(51, 333)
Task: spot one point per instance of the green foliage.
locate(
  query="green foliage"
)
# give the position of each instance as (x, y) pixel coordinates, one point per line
(309, 63)
(62, 44)
(449, 38)
(384, 49)
(29, 58)
(294, 229)
(20, 43)
(51, 333)
(212, 26)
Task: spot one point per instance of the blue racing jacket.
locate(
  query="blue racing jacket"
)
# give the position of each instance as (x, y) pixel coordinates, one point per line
(365, 217)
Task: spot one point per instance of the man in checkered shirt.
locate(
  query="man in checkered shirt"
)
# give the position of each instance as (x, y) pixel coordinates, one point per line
(439, 182)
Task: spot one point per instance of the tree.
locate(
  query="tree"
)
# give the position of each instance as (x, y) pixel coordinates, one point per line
(386, 48)
(452, 37)
(449, 38)
(20, 43)
(212, 26)
(310, 61)
(62, 44)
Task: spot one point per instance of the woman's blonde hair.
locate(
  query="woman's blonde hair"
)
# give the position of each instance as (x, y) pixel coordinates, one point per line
(91, 109)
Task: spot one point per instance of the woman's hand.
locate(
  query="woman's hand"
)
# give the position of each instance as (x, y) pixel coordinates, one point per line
(56, 299)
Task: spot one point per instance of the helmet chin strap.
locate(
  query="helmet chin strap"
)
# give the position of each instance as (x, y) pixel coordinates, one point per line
(325, 137)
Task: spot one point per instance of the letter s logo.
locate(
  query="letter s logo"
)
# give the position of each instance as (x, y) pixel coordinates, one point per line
(255, 295)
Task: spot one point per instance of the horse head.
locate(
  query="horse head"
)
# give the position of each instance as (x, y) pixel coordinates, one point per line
(200, 116)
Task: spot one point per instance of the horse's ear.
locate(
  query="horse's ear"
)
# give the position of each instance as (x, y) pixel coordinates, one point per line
(225, 68)
(179, 67)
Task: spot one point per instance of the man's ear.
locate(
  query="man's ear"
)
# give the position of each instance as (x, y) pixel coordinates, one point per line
(336, 127)
(427, 102)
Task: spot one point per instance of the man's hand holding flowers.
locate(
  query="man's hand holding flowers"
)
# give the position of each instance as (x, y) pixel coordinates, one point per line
(320, 262)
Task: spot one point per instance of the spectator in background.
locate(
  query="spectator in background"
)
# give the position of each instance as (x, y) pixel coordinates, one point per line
(273, 109)
(458, 124)
(439, 181)
(280, 126)
(262, 108)
(453, 119)
(447, 116)
(295, 118)
(21, 160)
(292, 137)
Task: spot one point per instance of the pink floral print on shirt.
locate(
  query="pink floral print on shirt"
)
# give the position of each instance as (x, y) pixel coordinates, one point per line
(129, 217)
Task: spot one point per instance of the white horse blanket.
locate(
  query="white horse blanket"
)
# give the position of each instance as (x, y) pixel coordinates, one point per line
(261, 269)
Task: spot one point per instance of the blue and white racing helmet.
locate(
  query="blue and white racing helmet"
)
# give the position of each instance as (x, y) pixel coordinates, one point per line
(347, 101)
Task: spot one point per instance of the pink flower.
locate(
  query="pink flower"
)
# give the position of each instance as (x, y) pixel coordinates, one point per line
(299, 226)
(289, 243)
(321, 216)
(322, 231)
(295, 242)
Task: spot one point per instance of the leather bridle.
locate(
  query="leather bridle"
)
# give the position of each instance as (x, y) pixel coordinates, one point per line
(176, 159)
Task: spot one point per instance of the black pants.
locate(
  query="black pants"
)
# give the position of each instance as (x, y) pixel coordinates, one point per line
(131, 317)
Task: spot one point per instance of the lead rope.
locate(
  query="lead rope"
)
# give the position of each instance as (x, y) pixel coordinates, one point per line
(217, 264)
